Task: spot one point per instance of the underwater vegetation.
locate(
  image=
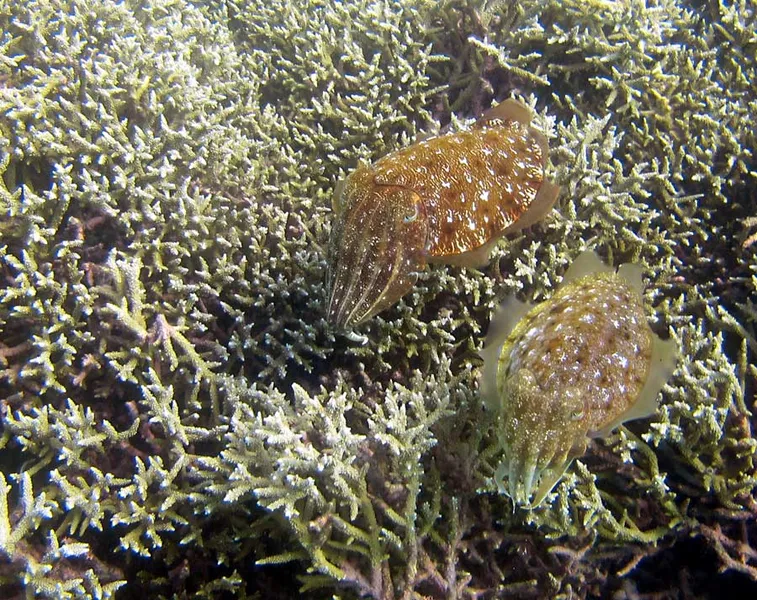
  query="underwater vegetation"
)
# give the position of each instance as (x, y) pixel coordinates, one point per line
(179, 417)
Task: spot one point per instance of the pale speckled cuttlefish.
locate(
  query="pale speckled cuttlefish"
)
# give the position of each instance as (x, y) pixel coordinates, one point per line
(446, 199)
(573, 367)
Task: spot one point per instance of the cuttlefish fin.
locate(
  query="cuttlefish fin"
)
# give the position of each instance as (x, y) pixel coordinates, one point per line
(543, 202)
(507, 110)
(541, 139)
(507, 316)
(336, 199)
(586, 263)
(632, 273)
(661, 367)
(472, 259)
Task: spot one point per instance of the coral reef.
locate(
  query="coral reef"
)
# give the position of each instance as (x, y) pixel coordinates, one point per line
(178, 418)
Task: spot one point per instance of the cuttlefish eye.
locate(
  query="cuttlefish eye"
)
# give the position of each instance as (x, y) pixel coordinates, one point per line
(412, 216)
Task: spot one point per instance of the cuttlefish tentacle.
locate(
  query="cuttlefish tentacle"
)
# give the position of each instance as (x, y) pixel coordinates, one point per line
(397, 276)
(383, 259)
(346, 311)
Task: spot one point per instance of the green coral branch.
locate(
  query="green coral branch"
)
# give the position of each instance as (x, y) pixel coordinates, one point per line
(504, 62)
(64, 436)
(35, 510)
(41, 573)
(337, 517)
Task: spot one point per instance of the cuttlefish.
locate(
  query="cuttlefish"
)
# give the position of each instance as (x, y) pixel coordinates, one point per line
(573, 367)
(446, 199)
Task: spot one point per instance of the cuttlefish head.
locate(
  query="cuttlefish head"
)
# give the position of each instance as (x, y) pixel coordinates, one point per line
(541, 434)
(377, 248)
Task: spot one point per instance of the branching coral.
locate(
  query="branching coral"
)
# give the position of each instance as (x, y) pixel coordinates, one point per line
(170, 388)
(343, 472)
(53, 573)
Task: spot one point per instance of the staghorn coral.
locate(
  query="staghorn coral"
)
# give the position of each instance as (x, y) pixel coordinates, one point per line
(171, 390)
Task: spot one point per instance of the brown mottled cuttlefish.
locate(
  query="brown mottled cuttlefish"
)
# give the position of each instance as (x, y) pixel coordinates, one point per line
(573, 367)
(445, 199)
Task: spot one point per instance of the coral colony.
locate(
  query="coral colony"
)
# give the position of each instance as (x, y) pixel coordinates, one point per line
(181, 418)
